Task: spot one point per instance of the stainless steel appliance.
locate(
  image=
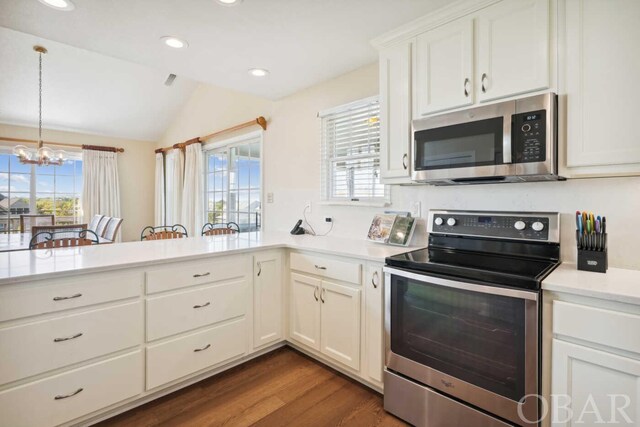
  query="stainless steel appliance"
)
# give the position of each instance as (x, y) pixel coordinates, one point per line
(509, 141)
(462, 320)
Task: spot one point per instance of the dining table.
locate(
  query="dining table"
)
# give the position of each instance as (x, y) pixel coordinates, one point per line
(20, 241)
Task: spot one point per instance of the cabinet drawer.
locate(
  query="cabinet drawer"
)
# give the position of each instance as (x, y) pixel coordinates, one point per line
(606, 327)
(32, 348)
(22, 300)
(183, 356)
(195, 273)
(102, 384)
(327, 267)
(179, 312)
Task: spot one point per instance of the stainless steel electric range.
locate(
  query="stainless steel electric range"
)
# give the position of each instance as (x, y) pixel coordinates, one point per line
(463, 320)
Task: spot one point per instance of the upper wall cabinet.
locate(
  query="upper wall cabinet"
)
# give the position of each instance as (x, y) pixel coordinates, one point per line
(513, 48)
(600, 69)
(395, 111)
(444, 68)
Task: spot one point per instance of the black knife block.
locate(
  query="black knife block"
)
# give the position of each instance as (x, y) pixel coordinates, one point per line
(593, 260)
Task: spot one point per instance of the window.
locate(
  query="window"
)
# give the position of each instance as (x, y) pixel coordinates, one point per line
(31, 189)
(351, 153)
(233, 183)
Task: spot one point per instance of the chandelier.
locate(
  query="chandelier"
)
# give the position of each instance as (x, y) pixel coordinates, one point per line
(42, 156)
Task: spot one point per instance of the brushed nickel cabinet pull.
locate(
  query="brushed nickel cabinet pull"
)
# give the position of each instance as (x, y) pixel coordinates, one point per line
(374, 279)
(64, 298)
(322, 293)
(315, 293)
(466, 91)
(482, 79)
(202, 349)
(202, 305)
(78, 335)
(259, 268)
(320, 267)
(404, 161)
(201, 275)
(64, 396)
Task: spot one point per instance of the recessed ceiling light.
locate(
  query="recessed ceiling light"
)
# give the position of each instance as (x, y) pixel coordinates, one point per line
(174, 42)
(229, 2)
(58, 4)
(258, 72)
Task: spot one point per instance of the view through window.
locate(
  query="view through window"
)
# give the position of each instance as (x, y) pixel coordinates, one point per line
(233, 185)
(31, 189)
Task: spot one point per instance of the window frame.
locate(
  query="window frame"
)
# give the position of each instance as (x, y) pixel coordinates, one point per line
(227, 144)
(326, 164)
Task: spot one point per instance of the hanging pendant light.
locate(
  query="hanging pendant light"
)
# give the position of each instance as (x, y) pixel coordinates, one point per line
(42, 156)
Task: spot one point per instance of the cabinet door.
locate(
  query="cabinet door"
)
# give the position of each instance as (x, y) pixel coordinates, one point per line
(340, 323)
(444, 68)
(267, 298)
(513, 48)
(395, 111)
(305, 310)
(601, 70)
(588, 381)
(374, 332)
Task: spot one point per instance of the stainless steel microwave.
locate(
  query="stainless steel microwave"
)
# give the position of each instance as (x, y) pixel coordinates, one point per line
(510, 141)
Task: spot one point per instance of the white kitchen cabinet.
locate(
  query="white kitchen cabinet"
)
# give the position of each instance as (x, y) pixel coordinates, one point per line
(600, 68)
(443, 77)
(395, 112)
(513, 49)
(304, 311)
(267, 298)
(591, 384)
(340, 323)
(374, 328)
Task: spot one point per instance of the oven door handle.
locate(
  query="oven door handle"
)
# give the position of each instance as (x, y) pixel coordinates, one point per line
(484, 289)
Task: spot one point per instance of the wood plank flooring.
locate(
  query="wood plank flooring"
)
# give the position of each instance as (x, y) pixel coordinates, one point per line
(282, 388)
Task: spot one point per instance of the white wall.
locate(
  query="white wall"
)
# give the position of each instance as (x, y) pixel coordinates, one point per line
(292, 173)
(135, 168)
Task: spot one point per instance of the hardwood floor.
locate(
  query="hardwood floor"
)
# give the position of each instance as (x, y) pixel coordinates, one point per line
(282, 388)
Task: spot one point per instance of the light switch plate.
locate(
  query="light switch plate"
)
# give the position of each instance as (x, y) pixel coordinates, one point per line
(269, 197)
(416, 209)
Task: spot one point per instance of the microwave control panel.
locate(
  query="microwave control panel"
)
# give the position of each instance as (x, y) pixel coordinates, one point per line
(529, 136)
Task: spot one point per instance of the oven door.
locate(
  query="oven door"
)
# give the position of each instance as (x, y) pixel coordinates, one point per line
(464, 146)
(476, 343)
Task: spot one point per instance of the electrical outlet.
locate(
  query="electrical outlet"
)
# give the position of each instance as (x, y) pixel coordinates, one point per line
(307, 206)
(328, 219)
(416, 209)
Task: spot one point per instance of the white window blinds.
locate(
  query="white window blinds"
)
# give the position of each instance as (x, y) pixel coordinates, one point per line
(351, 153)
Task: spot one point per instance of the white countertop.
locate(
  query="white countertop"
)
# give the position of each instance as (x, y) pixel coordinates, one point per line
(616, 284)
(21, 266)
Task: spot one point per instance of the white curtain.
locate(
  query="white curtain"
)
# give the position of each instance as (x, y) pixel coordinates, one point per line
(101, 187)
(159, 210)
(173, 187)
(193, 190)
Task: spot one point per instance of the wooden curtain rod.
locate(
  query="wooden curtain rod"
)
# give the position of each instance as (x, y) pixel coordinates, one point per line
(260, 121)
(63, 144)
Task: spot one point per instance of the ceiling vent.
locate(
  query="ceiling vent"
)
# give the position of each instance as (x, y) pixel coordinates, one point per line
(170, 80)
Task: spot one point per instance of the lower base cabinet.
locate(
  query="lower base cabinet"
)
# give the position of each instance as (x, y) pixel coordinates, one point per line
(189, 354)
(373, 323)
(304, 310)
(64, 397)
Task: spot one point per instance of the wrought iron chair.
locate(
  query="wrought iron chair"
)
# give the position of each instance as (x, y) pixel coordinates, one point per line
(210, 229)
(163, 232)
(28, 221)
(63, 239)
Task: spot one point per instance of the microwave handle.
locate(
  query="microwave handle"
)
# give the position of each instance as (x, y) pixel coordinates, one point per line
(507, 157)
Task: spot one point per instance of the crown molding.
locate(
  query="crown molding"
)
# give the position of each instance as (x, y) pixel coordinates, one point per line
(451, 12)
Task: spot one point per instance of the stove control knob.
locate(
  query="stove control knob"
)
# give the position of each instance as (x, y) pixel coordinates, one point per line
(438, 221)
(451, 222)
(537, 226)
(520, 225)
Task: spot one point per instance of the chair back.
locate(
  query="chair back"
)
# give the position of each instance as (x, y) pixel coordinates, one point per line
(93, 224)
(163, 232)
(63, 239)
(102, 225)
(28, 221)
(112, 229)
(210, 229)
